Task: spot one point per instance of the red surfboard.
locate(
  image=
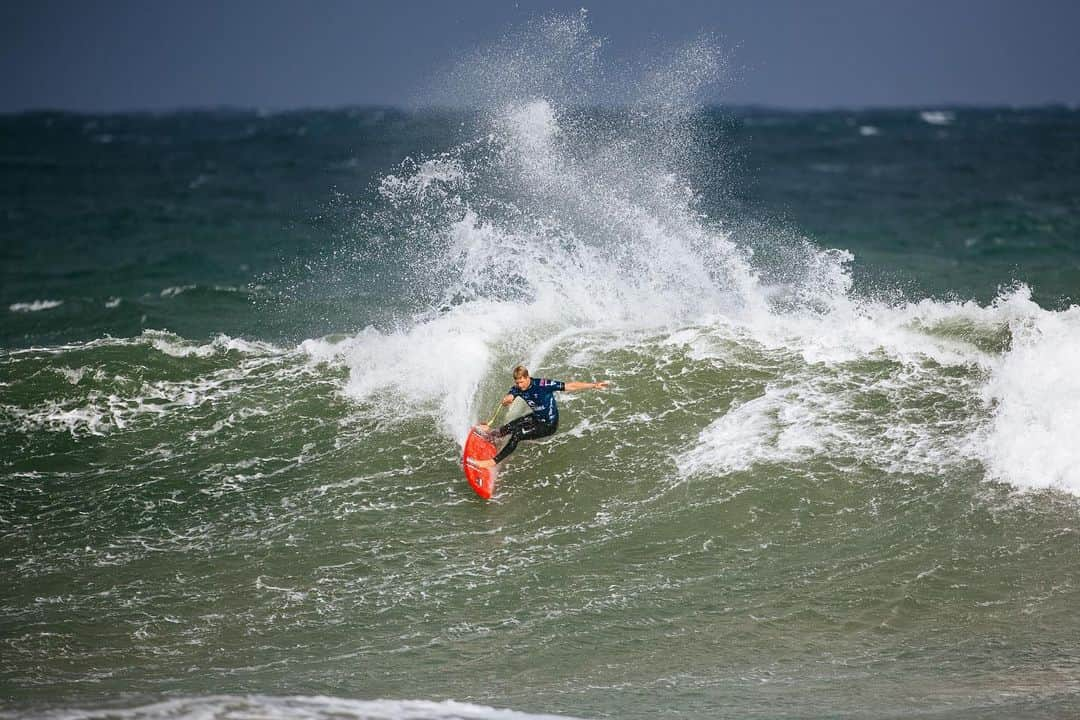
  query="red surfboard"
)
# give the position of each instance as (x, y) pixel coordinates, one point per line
(478, 446)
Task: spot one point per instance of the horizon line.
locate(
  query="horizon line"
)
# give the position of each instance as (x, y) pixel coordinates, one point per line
(406, 108)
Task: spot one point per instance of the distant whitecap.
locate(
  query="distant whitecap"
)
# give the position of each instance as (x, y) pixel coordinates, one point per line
(35, 306)
(937, 117)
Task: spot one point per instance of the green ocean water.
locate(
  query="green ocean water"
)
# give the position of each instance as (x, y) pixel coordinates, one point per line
(835, 474)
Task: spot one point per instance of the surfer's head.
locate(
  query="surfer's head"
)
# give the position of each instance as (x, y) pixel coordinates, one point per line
(521, 377)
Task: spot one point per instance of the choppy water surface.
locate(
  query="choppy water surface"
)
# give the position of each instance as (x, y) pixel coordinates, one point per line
(836, 473)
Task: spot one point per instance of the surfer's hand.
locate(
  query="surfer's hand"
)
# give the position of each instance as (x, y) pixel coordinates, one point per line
(602, 385)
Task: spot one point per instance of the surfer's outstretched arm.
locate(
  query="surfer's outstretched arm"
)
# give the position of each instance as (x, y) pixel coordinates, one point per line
(575, 386)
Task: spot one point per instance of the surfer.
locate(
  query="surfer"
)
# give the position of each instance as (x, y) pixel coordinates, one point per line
(539, 394)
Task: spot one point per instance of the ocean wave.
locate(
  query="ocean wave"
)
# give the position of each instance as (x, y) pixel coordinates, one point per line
(175, 346)
(35, 306)
(533, 243)
(175, 290)
(551, 225)
(435, 366)
(161, 340)
(1035, 392)
(100, 412)
(915, 388)
(241, 707)
(110, 394)
(937, 117)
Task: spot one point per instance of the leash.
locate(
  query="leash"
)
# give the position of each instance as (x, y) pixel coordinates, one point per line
(498, 408)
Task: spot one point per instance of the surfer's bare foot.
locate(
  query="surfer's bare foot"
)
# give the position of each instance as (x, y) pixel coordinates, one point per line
(483, 463)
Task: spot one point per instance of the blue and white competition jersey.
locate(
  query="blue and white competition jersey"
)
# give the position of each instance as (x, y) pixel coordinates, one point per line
(540, 396)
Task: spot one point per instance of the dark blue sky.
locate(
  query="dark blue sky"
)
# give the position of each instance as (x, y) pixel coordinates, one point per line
(157, 54)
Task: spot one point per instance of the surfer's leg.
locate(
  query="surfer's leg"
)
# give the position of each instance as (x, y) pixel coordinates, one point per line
(524, 428)
(538, 430)
(514, 429)
(510, 427)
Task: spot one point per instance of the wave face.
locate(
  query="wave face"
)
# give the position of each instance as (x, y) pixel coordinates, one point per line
(230, 483)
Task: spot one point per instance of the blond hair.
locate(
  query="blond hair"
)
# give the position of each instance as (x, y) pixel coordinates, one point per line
(521, 371)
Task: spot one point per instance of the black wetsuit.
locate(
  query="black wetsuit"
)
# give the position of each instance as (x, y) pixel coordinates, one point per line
(543, 421)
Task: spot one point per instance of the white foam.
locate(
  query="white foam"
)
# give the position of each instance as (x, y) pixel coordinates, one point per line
(831, 326)
(438, 175)
(435, 366)
(315, 707)
(79, 420)
(748, 434)
(1013, 409)
(35, 306)
(1035, 392)
(814, 412)
(176, 290)
(937, 117)
(175, 346)
(72, 375)
(102, 412)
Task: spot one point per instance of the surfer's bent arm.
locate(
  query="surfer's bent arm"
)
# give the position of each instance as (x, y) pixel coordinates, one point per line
(575, 386)
(507, 400)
